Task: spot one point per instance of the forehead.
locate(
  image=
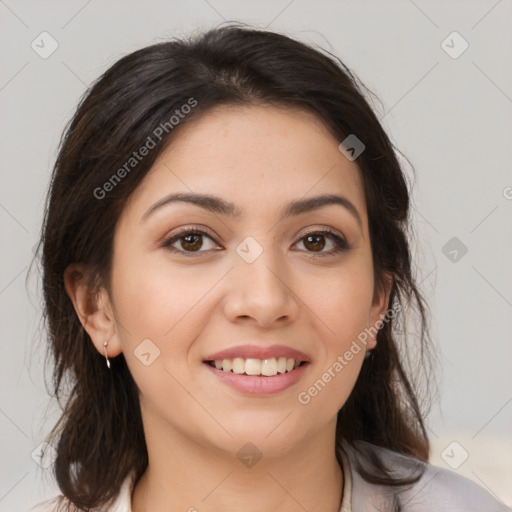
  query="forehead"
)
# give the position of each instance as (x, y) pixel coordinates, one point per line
(253, 156)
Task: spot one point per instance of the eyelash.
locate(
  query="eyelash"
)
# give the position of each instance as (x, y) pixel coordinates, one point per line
(340, 243)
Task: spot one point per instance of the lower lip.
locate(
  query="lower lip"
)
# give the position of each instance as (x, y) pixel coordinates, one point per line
(259, 385)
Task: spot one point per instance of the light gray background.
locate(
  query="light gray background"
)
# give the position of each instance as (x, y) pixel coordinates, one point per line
(451, 117)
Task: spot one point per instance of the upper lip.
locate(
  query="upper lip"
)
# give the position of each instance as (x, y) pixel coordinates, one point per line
(258, 352)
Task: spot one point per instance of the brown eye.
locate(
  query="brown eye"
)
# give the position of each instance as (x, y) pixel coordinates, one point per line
(189, 242)
(314, 242)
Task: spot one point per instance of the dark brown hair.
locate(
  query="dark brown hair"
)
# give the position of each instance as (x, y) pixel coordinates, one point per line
(99, 438)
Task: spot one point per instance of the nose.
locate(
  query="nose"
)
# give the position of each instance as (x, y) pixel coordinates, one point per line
(261, 292)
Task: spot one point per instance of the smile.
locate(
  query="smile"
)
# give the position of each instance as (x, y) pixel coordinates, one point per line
(257, 367)
(251, 379)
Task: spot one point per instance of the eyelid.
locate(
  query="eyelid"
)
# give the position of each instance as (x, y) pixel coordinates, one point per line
(321, 229)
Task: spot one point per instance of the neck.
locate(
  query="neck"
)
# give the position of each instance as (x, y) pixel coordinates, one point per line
(183, 475)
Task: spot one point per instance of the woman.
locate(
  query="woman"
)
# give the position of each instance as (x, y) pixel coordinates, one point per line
(226, 267)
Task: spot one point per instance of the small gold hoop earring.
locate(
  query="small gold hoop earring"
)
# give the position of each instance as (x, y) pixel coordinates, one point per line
(370, 353)
(106, 354)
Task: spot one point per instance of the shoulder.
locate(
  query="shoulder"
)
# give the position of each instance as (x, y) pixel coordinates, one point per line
(438, 488)
(121, 504)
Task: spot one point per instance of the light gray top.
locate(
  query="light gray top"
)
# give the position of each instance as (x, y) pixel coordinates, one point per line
(439, 490)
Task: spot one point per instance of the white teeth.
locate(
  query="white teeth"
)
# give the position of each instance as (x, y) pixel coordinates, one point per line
(269, 367)
(238, 365)
(251, 366)
(281, 364)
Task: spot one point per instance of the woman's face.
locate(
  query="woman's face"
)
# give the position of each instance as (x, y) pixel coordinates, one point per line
(263, 282)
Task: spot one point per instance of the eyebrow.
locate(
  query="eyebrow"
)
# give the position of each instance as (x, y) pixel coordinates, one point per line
(221, 206)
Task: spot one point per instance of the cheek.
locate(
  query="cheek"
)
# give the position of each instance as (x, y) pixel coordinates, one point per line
(341, 315)
(159, 309)
(342, 305)
(160, 301)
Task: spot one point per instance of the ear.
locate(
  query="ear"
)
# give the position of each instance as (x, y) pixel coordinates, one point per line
(94, 310)
(379, 309)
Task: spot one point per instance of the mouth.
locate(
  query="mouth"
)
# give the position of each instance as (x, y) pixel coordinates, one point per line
(270, 367)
